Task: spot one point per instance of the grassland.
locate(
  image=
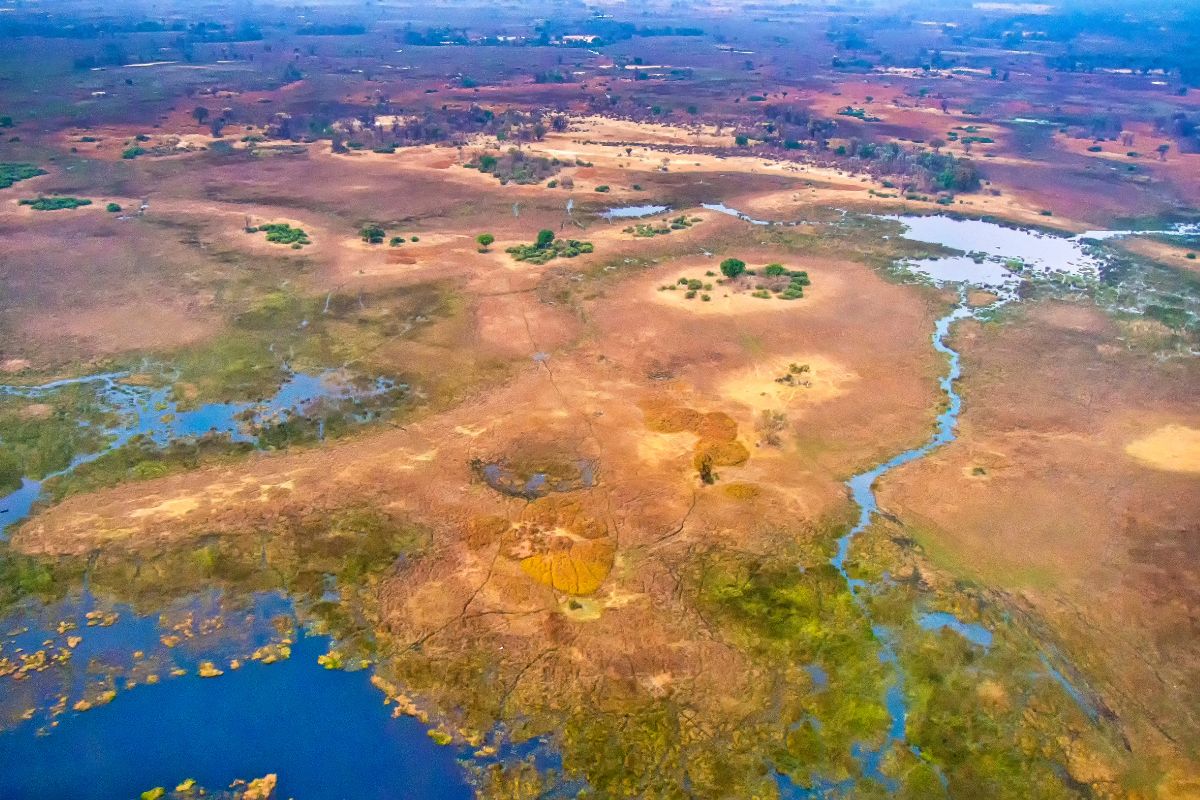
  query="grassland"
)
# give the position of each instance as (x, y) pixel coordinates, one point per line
(673, 621)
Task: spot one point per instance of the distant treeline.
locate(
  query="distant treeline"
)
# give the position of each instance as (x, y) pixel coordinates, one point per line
(48, 27)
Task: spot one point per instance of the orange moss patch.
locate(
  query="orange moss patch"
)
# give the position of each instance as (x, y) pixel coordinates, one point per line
(559, 544)
(716, 432)
(743, 491)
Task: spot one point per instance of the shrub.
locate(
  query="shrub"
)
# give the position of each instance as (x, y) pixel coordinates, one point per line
(372, 233)
(55, 203)
(602, 188)
(547, 247)
(112, 208)
(484, 239)
(396, 241)
(11, 172)
(283, 233)
(133, 152)
(732, 267)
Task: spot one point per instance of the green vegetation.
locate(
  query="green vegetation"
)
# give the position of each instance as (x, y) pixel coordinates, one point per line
(395, 241)
(602, 188)
(732, 267)
(113, 208)
(11, 172)
(516, 166)
(858, 113)
(40, 435)
(372, 233)
(55, 203)
(283, 233)
(547, 247)
(484, 240)
(649, 230)
(133, 152)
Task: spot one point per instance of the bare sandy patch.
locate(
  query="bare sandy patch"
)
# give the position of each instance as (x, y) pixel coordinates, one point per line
(1174, 448)
(12, 365)
(788, 383)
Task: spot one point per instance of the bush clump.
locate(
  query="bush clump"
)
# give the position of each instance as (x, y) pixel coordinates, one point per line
(547, 247)
(11, 172)
(55, 203)
(283, 233)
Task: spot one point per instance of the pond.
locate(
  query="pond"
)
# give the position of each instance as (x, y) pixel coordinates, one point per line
(634, 212)
(325, 732)
(1001, 254)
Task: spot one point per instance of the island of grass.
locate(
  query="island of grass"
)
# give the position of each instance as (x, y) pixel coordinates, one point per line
(547, 247)
(282, 233)
(55, 203)
(774, 281)
(649, 230)
(11, 172)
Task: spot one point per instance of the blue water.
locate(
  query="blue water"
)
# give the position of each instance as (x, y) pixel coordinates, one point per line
(634, 212)
(326, 733)
(150, 413)
(974, 633)
(721, 208)
(861, 486)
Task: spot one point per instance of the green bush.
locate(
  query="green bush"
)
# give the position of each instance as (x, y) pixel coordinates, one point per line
(55, 203)
(372, 233)
(11, 172)
(283, 233)
(133, 152)
(732, 267)
(112, 208)
(547, 247)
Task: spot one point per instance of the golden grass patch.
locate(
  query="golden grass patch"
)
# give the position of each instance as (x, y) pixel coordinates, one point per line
(1173, 448)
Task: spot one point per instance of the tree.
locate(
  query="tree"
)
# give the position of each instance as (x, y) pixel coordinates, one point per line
(1162, 151)
(741, 140)
(937, 144)
(200, 113)
(732, 267)
(372, 233)
(484, 240)
(544, 238)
